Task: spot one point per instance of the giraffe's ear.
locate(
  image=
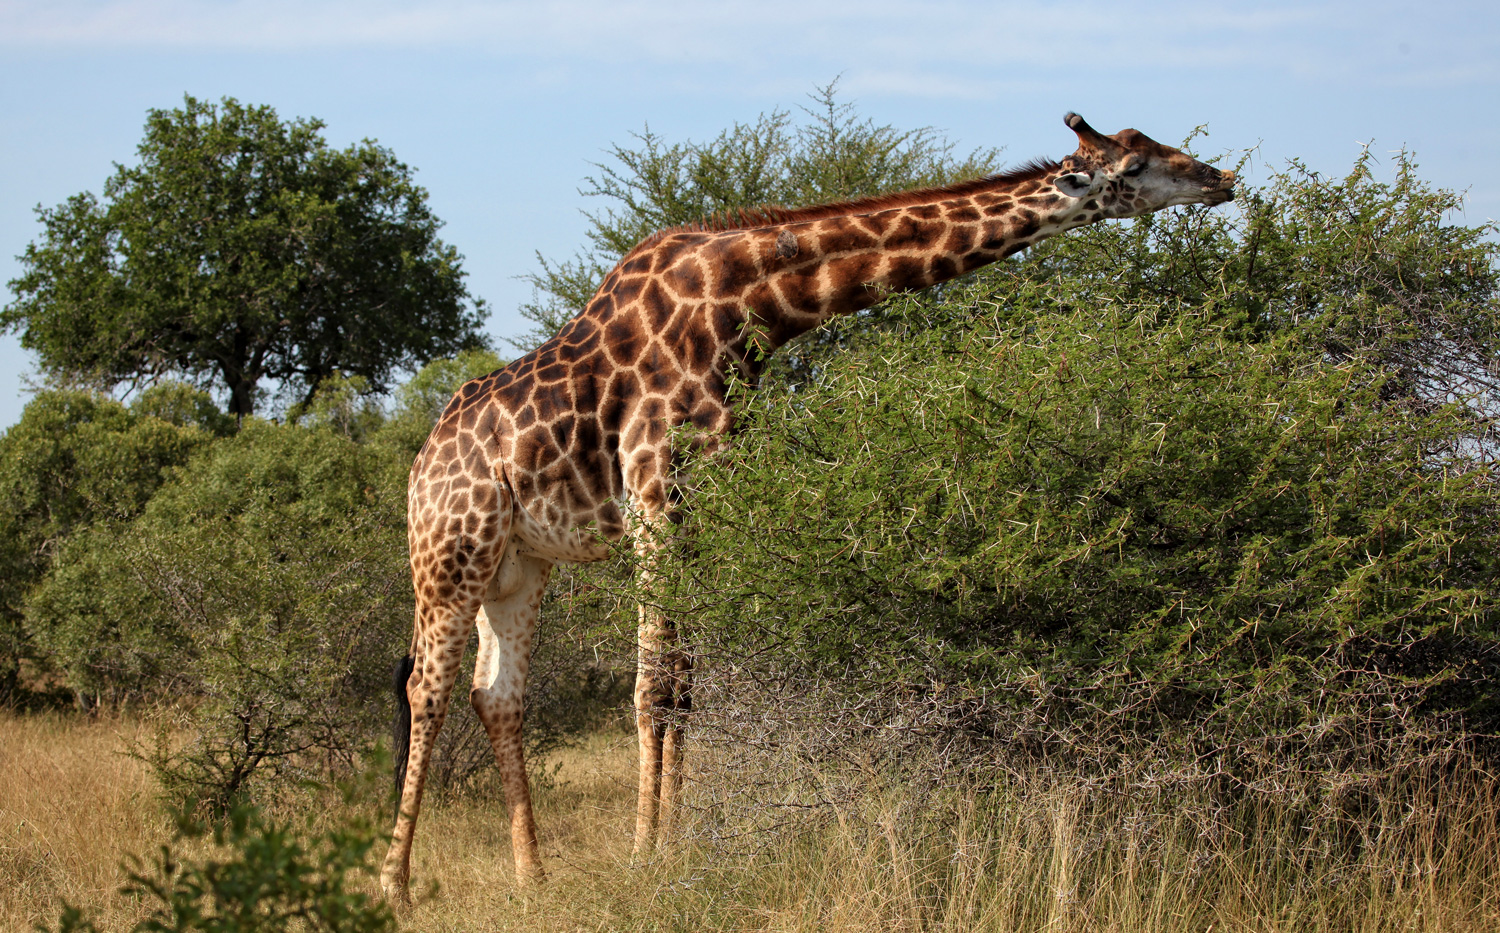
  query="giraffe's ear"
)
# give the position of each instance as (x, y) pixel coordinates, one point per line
(1075, 184)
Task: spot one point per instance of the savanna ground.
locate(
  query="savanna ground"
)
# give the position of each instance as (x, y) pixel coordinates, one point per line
(74, 807)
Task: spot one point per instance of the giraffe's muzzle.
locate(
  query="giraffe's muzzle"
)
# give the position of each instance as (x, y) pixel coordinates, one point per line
(1221, 192)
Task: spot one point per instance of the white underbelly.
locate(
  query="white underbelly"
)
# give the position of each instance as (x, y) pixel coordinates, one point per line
(573, 545)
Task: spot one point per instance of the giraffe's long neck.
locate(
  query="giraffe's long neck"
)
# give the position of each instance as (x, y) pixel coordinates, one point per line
(817, 269)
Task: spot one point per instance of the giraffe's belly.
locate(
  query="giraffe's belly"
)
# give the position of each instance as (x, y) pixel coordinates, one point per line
(560, 542)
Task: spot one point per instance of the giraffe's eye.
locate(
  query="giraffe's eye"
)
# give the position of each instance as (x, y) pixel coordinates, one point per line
(1136, 168)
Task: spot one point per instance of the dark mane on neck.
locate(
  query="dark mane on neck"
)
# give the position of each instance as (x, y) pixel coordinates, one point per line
(772, 216)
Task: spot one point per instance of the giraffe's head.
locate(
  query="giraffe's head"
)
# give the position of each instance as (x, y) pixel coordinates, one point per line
(1131, 174)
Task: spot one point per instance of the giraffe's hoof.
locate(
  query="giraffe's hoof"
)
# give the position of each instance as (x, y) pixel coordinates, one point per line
(396, 892)
(530, 876)
(644, 853)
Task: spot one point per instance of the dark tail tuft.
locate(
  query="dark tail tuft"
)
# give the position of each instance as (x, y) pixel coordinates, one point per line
(401, 745)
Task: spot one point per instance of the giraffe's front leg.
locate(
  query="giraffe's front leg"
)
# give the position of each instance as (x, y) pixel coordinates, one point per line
(653, 704)
(662, 681)
(681, 685)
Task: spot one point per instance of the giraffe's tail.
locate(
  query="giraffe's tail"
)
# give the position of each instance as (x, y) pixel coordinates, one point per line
(401, 743)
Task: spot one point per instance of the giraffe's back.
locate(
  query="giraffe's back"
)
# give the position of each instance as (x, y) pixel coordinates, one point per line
(579, 430)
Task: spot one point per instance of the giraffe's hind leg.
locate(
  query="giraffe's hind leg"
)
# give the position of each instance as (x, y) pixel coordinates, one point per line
(454, 559)
(506, 626)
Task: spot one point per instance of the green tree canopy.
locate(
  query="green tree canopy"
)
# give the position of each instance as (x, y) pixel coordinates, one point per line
(243, 248)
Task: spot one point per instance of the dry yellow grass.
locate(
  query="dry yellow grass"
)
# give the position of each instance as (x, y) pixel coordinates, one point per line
(1073, 858)
(72, 807)
(585, 815)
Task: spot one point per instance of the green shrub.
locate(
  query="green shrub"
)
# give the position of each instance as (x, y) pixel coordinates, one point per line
(1188, 489)
(267, 581)
(259, 875)
(75, 460)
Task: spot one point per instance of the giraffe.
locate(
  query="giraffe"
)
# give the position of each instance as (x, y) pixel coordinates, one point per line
(579, 443)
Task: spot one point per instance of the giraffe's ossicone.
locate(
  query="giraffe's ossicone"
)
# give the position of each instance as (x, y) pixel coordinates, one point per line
(542, 461)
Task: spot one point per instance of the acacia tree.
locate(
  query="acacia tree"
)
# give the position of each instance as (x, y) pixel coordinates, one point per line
(243, 248)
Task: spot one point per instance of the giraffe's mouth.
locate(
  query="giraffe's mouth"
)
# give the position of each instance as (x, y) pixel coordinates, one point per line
(1222, 191)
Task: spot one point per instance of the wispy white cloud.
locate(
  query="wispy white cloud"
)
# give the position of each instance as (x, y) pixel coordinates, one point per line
(924, 48)
(670, 28)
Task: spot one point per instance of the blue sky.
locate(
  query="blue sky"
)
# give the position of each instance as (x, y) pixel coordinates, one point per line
(501, 106)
